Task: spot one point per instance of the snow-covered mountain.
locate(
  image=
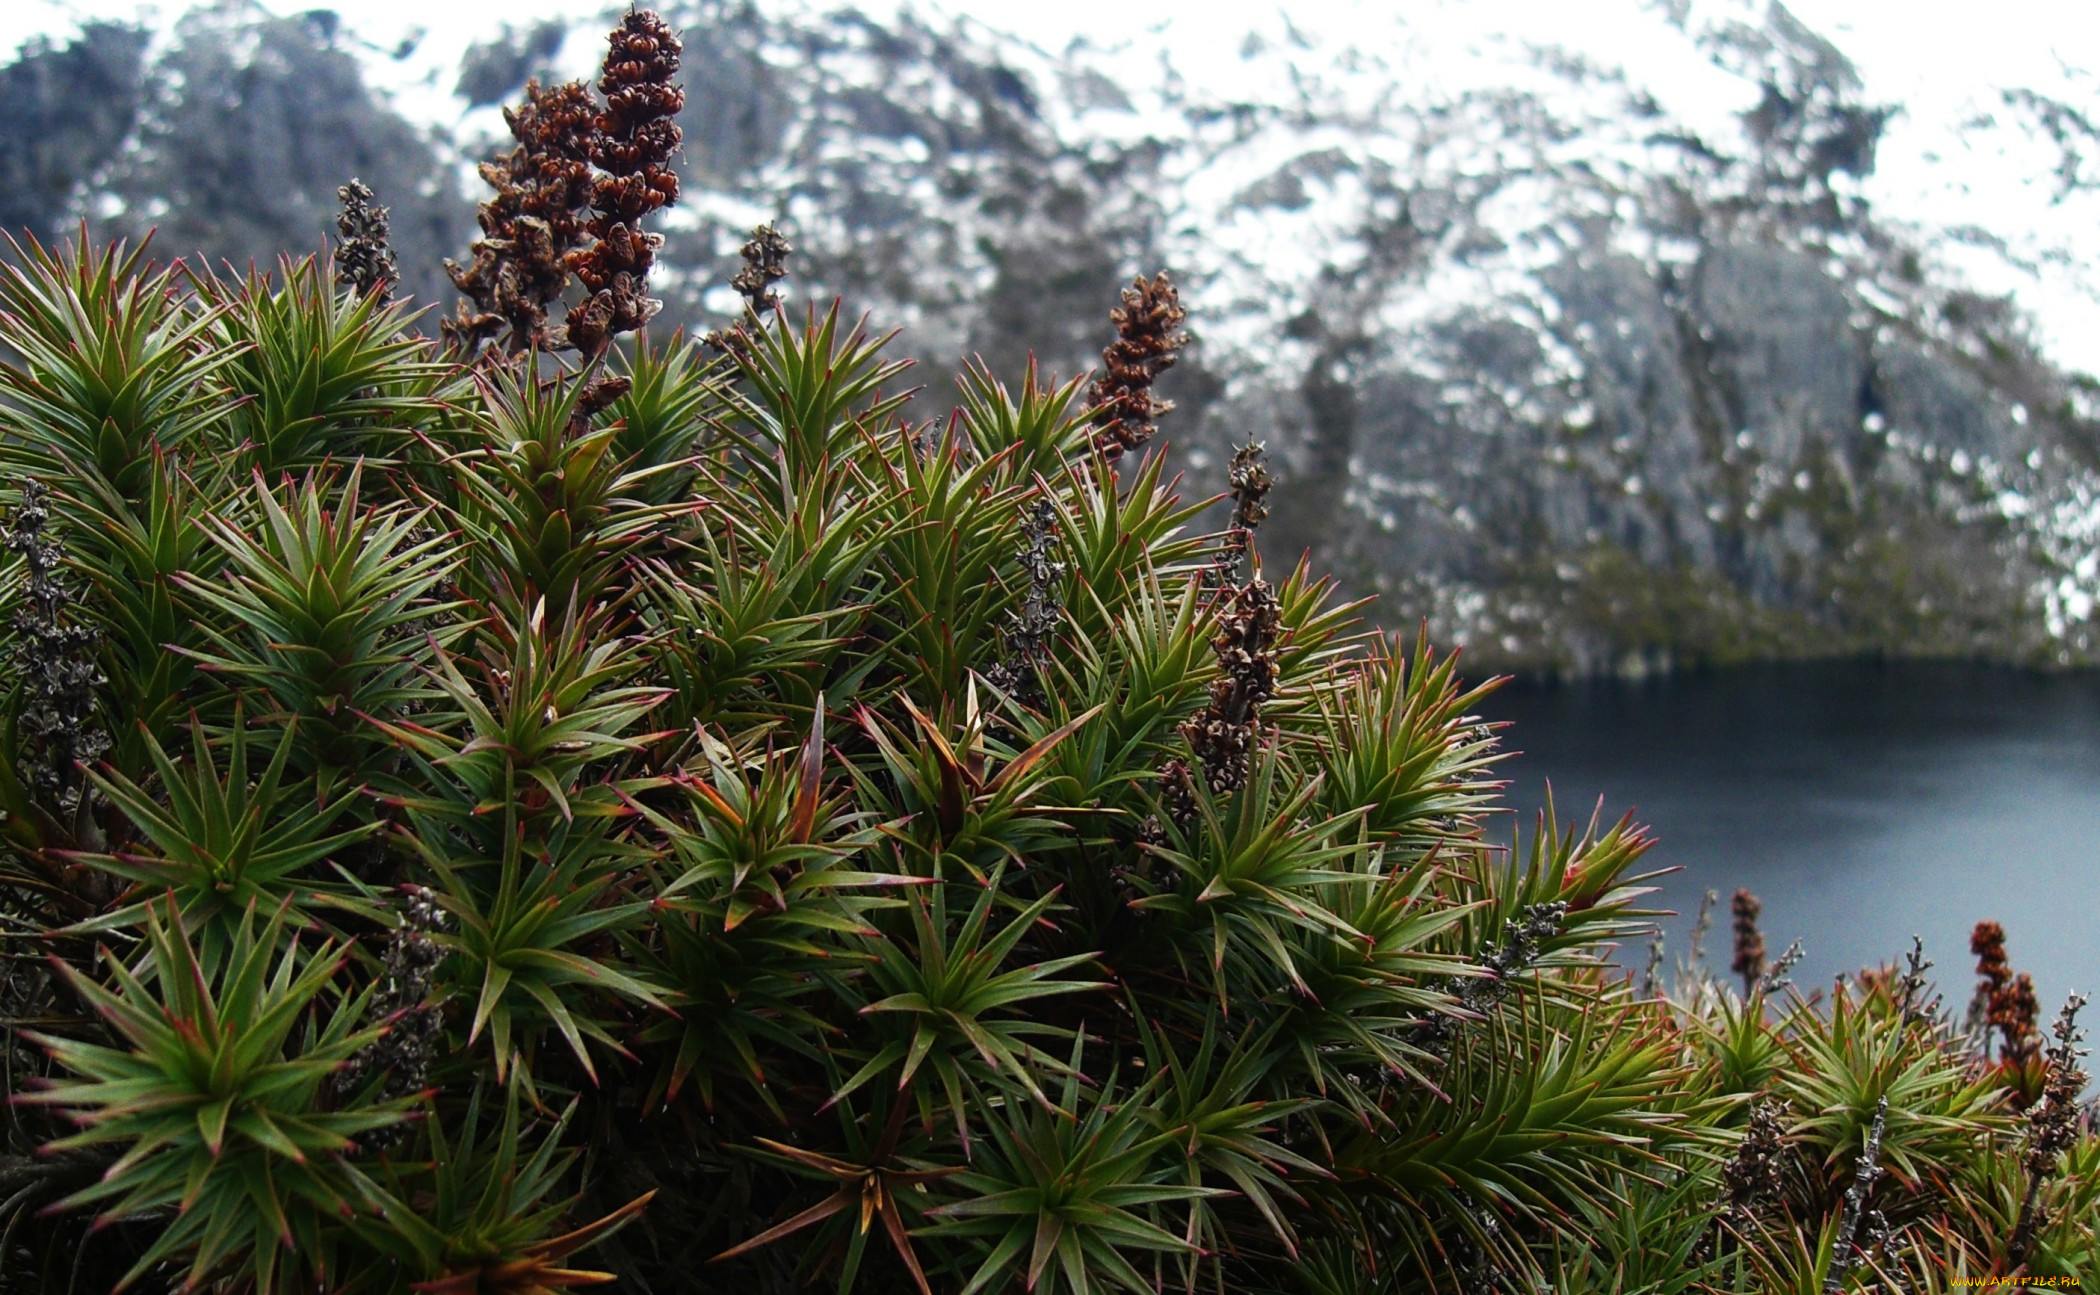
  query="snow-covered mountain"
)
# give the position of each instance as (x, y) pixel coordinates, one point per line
(1593, 367)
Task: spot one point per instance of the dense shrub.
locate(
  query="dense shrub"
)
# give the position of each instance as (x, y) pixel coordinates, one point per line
(465, 809)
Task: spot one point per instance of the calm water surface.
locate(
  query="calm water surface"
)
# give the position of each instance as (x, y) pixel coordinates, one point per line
(1861, 802)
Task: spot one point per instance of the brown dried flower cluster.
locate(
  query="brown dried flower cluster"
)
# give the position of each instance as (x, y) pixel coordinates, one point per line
(2004, 1002)
(2053, 1123)
(1148, 339)
(1221, 734)
(364, 261)
(1756, 1172)
(765, 264)
(1749, 961)
(1029, 631)
(1248, 479)
(632, 147)
(532, 224)
(52, 656)
(765, 256)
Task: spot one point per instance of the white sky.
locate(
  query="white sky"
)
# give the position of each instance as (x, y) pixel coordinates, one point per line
(1942, 60)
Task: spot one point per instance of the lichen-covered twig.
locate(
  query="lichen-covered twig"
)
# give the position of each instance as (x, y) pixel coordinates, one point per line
(1865, 1170)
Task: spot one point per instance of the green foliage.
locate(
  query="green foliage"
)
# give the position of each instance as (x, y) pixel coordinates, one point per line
(212, 1089)
(526, 806)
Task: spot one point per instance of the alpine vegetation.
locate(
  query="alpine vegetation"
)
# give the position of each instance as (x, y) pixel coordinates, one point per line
(550, 805)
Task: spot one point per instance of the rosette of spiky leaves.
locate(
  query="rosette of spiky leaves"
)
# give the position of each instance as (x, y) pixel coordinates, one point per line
(1548, 1103)
(315, 373)
(547, 506)
(214, 1100)
(1059, 1200)
(947, 533)
(479, 1215)
(874, 1178)
(1034, 432)
(1400, 736)
(1588, 869)
(539, 703)
(110, 361)
(1367, 996)
(962, 796)
(323, 603)
(535, 931)
(1978, 1213)
(1645, 1232)
(225, 836)
(1212, 1107)
(1152, 665)
(809, 394)
(1115, 533)
(672, 400)
(757, 893)
(947, 996)
(527, 845)
(1839, 1068)
(1253, 869)
(728, 639)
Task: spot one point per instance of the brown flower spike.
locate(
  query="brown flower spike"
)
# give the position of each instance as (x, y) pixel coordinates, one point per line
(531, 224)
(1148, 340)
(364, 262)
(635, 139)
(2004, 1001)
(1749, 961)
(765, 264)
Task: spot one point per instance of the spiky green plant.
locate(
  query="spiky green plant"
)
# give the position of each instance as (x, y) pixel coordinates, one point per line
(543, 797)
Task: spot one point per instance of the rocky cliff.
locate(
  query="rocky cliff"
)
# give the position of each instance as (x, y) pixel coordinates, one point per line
(1587, 386)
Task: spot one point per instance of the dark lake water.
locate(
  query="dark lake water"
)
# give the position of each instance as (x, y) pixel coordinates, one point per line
(1861, 802)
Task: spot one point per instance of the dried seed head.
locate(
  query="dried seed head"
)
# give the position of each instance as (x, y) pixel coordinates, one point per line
(1221, 735)
(1148, 340)
(1749, 961)
(765, 264)
(2005, 1002)
(1248, 480)
(531, 224)
(1029, 632)
(53, 659)
(632, 148)
(1756, 1172)
(364, 260)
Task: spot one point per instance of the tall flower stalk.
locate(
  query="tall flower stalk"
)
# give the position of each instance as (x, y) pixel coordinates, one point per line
(364, 259)
(1148, 340)
(632, 148)
(531, 224)
(53, 658)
